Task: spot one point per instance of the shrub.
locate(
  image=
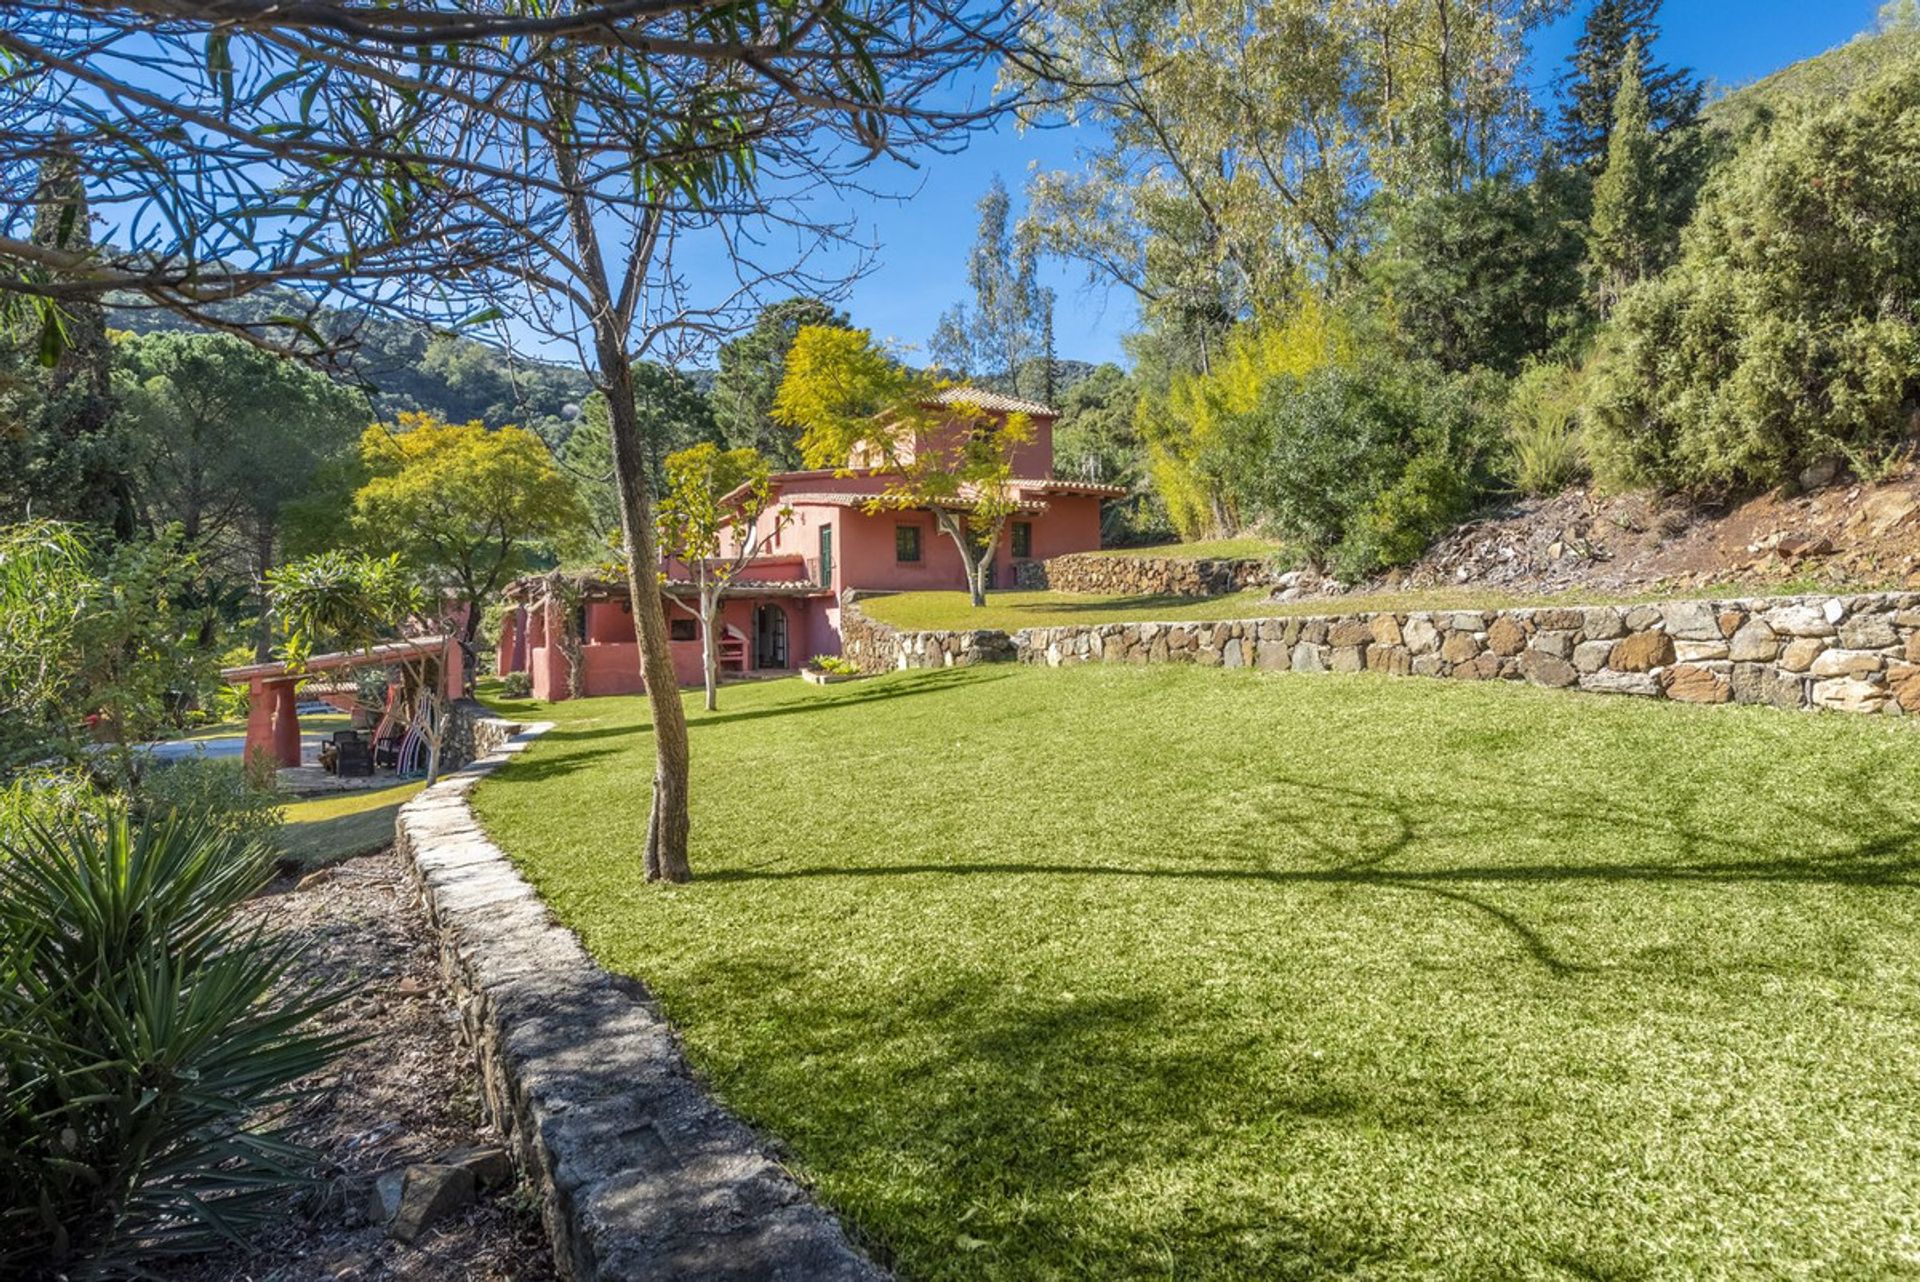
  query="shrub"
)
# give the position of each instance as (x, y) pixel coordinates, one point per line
(146, 1038)
(1544, 453)
(1367, 465)
(516, 685)
(1787, 331)
(835, 664)
(215, 793)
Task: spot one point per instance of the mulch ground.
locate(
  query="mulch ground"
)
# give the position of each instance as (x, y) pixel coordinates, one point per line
(405, 1093)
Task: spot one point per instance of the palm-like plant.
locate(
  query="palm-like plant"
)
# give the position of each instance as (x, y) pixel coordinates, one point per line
(147, 1038)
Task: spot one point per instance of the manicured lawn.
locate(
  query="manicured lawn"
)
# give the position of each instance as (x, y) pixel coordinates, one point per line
(1203, 549)
(1011, 611)
(1169, 973)
(325, 830)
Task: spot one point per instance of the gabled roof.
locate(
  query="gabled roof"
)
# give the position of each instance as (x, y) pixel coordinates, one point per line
(993, 401)
(1058, 485)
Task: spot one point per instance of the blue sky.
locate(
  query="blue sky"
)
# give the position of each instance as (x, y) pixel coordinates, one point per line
(923, 238)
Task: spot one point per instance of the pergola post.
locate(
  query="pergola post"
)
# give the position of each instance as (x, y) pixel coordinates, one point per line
(260, 701)
(286, 725)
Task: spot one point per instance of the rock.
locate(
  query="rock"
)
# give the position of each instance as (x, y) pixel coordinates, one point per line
(1272, 655)
(1849, 694)
(1484, 668)
(1307, 658)
(1796, 546)
(1348, 658)
(1868, 632)
(1464, 621)
(1819, 473)
(1800, 653)
(1755, 642)
(1559, 620)
(1834, 610)
(1691, 621)
(1557, 642)
(1641, 652)
(489, 1164)
(1731, 621)
(1642, 618)
(1385, 630)
(384, 1203)
(1903, 679)
(1506, 637)
(315, 879)
(1692, 684)
(1609, 682)
(1234, 654)
(1459, 647)
(1913, 647)
(430, 1194)
(1546, 669)
(1420, 635)
(1603, 624)
(1349, 632)
(1700, 651)
(1759, 683)
(1390, 659)
(1846, 663)
(1429, 665)
(1591, 656)
(1799, 621)
(1314, 631)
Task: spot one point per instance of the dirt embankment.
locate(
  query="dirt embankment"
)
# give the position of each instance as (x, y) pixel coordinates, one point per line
(1843, 534)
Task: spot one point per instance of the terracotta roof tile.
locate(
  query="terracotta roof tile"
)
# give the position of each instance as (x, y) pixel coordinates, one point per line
(993, 401)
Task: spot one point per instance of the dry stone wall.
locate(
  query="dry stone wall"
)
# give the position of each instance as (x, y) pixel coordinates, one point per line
(1096, 572)
(1847, 654)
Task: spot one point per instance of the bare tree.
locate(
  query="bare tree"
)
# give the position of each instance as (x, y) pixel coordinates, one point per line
(474, 160)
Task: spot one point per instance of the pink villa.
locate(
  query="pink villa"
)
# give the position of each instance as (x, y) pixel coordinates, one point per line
(784, 608)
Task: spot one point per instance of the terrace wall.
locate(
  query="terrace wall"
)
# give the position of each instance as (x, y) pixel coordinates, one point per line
(1105, 572)
(1848, 654)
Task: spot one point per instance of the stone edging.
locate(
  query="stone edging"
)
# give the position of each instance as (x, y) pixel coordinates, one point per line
(1125, 574)
(641, 1174)
(1858, 653)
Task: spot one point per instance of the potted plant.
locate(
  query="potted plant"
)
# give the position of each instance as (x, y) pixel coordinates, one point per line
(828, 669)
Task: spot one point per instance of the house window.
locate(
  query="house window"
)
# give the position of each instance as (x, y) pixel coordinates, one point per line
(906, 543)
(1023, 539)
(683, 629)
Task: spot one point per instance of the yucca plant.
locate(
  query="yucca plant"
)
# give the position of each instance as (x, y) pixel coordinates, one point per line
(148, 1037)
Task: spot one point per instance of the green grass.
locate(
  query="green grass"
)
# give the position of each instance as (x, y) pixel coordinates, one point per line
(325, 830)
(1203, 549)
(1011, 611)
(1168, 973)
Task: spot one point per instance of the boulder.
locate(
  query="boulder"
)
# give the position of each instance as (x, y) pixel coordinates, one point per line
(1390, 659)
(1799, 621)
(1607, 681)
(1764, 684)
(1868, 632)
(1755, 642)
(1603, 624)
(1308, 657)
(1641, 652)
(1349, 632)
(1429, 665)
(1591, 656)
(489, 1163)
(1420, 635)
(1690, 683)
(1385, 629)
(1846, 663)
(1559, 620)
(1506, 637)
(1459, 647)
(1798, 654)
(1849, 694)
(429, 1194)
(1557, 642)
(1691, 620)
(1903, 680)
(1272, 655)
(1546, 669)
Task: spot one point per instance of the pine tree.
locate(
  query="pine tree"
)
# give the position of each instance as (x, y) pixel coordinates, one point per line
(1626, 232)
(1592, 83)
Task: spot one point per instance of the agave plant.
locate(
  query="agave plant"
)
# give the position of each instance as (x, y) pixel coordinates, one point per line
(148, 1038)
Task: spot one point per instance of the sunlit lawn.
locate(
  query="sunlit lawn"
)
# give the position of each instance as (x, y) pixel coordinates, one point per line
(324, 830)
(1167, 973)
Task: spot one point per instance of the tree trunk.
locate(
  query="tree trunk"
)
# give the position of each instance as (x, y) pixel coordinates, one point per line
(666, 853)
(709, 647)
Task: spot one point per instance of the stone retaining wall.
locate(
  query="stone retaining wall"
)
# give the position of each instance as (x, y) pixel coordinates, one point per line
(1146, 575)
(1849, 654)
(876, 647)
(472, 732)
(640, 1173)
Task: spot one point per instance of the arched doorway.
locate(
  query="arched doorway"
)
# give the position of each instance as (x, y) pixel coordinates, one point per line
(770, 637)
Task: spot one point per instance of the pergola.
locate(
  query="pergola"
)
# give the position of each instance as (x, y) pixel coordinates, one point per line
(273, 723)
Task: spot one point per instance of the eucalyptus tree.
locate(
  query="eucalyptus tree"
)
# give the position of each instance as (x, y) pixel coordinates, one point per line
(558, 164)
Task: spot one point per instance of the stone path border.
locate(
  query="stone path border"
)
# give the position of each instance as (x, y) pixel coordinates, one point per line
(641, 1174)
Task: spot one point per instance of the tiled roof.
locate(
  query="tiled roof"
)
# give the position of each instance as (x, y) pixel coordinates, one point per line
(993, 401)
(1055, 485)
(862, 501)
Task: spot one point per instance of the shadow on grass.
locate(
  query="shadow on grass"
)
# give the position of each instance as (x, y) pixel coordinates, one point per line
(1879, 849)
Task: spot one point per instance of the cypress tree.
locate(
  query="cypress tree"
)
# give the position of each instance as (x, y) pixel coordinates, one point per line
(1591, 84)
(1625, 233)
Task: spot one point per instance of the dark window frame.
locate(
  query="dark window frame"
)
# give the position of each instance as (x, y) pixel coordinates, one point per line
(1022, 540)
(683, 629)
(906, 536)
